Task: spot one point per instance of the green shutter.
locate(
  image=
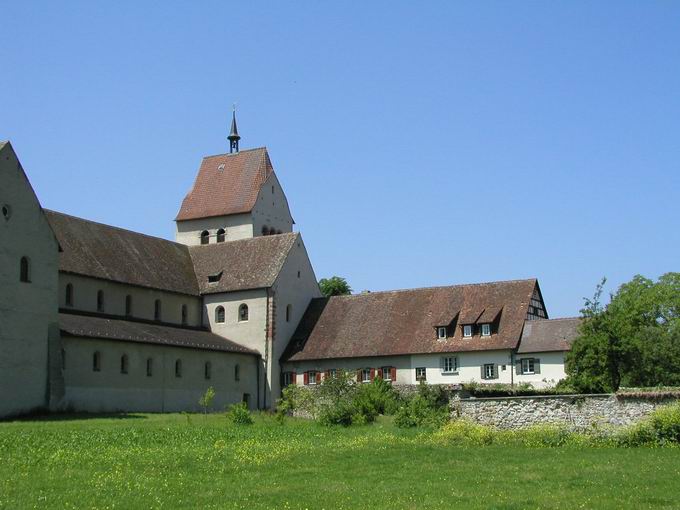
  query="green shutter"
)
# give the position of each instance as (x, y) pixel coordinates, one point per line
(483, 376)
(537, 366)
(495, 371)
(518, 367)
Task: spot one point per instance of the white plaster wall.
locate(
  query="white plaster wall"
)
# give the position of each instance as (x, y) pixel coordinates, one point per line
(295, 285)
(552, 369)
(143, 300)
(401, 363)
(237, 226)
(109, 390)
(271, 208)
(251, 333)
(28, 311)
(469, 364)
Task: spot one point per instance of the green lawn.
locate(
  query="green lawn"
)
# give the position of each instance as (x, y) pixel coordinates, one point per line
(166, 461)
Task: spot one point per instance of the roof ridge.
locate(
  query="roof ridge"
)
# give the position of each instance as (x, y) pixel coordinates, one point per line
(557, 319)
(263, 148)
(114, 227)
(434, 287)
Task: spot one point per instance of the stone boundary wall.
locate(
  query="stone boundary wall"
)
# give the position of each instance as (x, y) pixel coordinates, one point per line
(578, 412)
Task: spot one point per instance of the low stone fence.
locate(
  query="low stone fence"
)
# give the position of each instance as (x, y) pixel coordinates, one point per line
(575, 411)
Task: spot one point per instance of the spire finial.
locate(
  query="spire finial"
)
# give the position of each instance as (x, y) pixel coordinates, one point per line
(233, 134)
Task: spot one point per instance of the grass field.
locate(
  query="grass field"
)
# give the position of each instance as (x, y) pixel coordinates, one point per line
(171, 461)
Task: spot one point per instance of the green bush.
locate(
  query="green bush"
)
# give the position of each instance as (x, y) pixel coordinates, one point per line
(428, 408)
(239, 414)
(660, 428)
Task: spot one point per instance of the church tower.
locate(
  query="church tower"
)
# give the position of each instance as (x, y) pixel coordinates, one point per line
(235, 196)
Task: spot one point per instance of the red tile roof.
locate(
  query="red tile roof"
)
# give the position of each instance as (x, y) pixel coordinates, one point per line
(403, 322)
(226, 184)
(549, 335)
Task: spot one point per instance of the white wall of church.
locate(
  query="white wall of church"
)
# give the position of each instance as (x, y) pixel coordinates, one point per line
(28, 311)
(109, 390)
(85, 291)
(295, 286)
(236, 226)
(271, 208)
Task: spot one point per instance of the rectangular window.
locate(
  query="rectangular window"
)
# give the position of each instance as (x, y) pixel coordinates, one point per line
(386, 373)
(449, 364)
(489, 371)
(486, 329)
(311, 377)
(366, 375)
(288, 378)
(421, 374)
(333, 372)
(528, 366)
(441, 333)
(467, 330)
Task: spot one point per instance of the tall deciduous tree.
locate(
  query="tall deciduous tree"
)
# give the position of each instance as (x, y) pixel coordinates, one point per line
(633, 341)
(334, 286)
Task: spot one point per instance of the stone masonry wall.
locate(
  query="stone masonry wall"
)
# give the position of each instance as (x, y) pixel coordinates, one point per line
(576, 411)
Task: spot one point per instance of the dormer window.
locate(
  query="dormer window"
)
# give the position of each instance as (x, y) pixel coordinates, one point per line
(214, 278)
(441, 333)
(486, 329)
(467, 330)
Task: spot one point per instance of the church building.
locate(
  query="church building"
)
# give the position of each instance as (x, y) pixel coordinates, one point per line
(96, 318)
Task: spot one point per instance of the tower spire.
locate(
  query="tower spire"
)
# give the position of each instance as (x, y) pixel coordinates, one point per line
(233, 134)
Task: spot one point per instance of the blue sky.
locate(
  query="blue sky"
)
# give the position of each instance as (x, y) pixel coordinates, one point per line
(419, 143)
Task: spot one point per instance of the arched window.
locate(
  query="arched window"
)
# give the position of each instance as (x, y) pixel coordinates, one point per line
(289, 312)
(243, 313)
(220, 235)
(100, 300)
(205, 237)
(25, 270)
(96, 362)
(207, 372)
(237, 372)
(69, 294)
(219, 314)
(124, 364)
(157, 310)
(149, 367)
(128, 305)
(265, 230)
(178, 368)
(185, 315)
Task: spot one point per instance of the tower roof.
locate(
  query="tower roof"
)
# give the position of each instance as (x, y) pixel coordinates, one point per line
(226, 184)
(233, 133)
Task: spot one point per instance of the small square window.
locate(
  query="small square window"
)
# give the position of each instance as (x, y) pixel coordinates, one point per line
(311, 377)
(486, 329)
(421, 374)
(528, 367)
(467, 330)
(441, 333)
(489, 371)
(366, 375)
(288, 378)
(387, 373)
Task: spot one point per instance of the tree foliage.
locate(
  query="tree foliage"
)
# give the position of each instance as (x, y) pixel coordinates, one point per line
(334, 286)
(633, 341)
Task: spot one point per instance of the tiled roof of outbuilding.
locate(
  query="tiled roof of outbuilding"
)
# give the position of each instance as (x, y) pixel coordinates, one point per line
(226, 184)
(111, 253)
(244, 264)
(403, 322)
(129, 331)
(549, 335)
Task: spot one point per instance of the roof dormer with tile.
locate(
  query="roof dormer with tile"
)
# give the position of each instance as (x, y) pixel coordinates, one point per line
(235, 196)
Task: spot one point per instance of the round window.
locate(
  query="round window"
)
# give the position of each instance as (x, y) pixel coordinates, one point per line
(6, 211)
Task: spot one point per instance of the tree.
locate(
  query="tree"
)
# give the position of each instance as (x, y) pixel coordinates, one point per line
(207, 399)
(633, 341)
(334, 286)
